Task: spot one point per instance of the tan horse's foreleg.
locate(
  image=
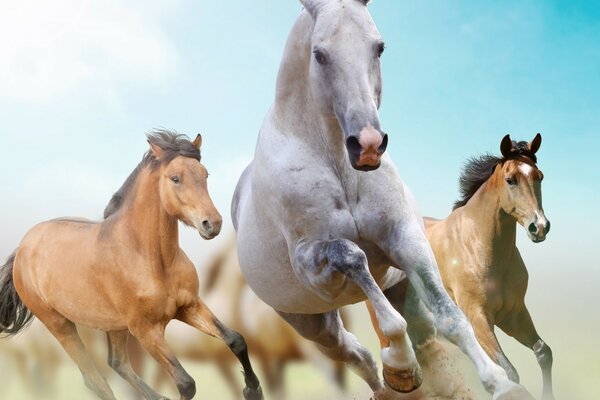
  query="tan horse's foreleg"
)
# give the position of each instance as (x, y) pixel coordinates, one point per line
(484, 332)
(152, 339)
(520, 326)
(118, 359)
(200, 317)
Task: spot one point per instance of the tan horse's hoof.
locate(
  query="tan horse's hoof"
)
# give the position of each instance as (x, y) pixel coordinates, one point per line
(403, 380)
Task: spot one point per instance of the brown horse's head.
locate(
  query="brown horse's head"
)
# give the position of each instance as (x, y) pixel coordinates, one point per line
(521, 194)
(183, 188)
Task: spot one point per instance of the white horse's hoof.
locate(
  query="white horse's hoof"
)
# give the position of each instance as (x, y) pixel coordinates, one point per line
(513, 391)
(403, 380)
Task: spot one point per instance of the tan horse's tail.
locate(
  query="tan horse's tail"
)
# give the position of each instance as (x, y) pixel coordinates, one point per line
(14, 315)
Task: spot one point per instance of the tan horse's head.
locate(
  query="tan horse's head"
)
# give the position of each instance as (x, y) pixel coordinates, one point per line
(184, 192)
(521, 186)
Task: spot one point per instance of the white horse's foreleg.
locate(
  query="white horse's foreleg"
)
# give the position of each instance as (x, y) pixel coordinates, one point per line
(416, 258)
(328, 332)
(326, 258)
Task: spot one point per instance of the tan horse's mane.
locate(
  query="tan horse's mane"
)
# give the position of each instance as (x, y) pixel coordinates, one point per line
(477, 170)
(173, 145)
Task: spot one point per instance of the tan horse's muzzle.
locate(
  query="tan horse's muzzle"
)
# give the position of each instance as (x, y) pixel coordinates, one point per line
(538, 228)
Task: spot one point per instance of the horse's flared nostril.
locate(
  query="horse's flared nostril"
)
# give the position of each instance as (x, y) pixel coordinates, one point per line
(207, 226)
(547, 227)
(353, 145)
(384, 144)
(532, 228)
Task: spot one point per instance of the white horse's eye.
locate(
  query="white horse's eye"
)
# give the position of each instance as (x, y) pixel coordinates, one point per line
(320, 57)
(380, 49)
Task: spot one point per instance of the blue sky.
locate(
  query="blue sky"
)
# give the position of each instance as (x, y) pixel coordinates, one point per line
(81, 82)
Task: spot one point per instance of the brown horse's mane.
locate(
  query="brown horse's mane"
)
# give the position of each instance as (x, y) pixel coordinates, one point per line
(477, 170)
(173, 145)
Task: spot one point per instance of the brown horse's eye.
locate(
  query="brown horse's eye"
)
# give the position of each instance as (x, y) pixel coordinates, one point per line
(511, 181)
(175, 179)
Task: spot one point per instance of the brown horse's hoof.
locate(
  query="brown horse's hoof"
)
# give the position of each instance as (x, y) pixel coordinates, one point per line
(253, 394)
(403, 380)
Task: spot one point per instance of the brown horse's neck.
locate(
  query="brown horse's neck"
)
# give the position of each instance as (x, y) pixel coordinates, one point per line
(494, 228)
(155, 232)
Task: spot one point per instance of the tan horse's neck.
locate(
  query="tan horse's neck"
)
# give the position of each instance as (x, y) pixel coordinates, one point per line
(143, 219)
(492, 227)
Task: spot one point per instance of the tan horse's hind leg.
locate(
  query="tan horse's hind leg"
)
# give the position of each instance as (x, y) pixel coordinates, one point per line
(520, 326)
(66, 333)
(200, 317)
(118, 359)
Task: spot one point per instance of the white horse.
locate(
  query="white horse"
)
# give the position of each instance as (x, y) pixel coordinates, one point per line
(316, 231)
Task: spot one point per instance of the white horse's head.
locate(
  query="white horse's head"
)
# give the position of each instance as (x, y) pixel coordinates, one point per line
(345, 75)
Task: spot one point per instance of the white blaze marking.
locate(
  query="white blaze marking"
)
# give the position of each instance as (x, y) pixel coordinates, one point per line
(525, 168)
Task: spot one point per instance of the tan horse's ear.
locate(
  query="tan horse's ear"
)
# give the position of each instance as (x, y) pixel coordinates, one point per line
(156, 151)
(535, 144)
(506, 146)
(198, 141)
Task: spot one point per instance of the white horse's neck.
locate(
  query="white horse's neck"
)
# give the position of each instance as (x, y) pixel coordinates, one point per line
(295, 111)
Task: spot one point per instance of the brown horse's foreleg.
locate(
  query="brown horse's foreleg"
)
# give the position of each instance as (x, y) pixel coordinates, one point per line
(152, 339)
(484, 332)
(118, 359)
(520, 326)
(200, 317)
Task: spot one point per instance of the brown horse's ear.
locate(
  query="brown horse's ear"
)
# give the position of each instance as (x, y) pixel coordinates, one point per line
(506, 146)
(535, 144)
(197, 142)
(156, 151)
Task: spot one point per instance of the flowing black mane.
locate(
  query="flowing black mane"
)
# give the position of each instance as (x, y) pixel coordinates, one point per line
(478, 169)
(173, 145)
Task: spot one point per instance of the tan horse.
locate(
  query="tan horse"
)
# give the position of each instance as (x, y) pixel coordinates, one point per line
(271, 340)
(126, 274)
(476, 253)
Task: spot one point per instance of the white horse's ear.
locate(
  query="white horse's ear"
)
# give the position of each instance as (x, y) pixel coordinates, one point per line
(506, 146)
(535, 144)
(310, 6)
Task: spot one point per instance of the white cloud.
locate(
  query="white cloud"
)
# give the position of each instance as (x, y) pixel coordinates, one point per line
(49, 47)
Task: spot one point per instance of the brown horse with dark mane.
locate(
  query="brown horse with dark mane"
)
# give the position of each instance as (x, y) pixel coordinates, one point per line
(475, 248)
(124, 275)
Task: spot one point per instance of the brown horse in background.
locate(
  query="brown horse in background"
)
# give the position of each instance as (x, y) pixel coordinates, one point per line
(475, 248)
(271, 341)
(126, 274)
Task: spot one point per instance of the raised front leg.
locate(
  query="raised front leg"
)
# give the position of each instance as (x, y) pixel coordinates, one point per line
(520, 326)
(409, 249)
(323, 262)
(200, 317)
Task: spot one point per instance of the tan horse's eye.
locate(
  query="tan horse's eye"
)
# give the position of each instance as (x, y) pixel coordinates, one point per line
(175, 179)
(511, 181)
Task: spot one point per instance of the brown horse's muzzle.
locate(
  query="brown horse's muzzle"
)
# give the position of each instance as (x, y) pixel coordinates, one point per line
(365, 151)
